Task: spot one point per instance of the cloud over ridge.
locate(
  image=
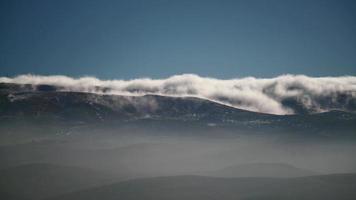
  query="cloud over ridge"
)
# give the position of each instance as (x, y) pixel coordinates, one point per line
(285, 94)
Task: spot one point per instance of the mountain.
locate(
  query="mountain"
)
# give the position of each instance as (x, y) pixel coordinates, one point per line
(43, 105)
(336, 186)
(38, 181)
(261, 170)
(18, 101)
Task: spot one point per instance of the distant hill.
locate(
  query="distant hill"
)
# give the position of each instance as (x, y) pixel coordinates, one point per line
(276, 170)
(38, 181)
(326, 187)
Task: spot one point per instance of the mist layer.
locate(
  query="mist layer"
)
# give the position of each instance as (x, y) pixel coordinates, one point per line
(286, 94)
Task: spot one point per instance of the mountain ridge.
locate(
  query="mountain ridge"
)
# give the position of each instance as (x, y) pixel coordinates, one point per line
(74, 108)
(14, 88)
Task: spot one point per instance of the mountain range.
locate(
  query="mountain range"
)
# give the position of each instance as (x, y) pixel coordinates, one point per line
(44, 104)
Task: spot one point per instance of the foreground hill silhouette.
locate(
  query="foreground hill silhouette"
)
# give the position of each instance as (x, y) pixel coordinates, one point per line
(327, 187)
(260, 170)
(38, 181)
(41, 180)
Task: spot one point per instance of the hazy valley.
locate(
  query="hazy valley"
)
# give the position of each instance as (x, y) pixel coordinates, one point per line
(72, 145)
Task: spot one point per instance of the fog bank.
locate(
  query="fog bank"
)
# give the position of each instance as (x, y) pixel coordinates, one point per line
(286, 94)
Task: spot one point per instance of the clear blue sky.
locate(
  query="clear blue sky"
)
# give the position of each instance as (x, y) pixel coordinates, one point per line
(158, 38)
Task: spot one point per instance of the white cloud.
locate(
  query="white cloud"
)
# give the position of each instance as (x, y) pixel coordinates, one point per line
(284, 94)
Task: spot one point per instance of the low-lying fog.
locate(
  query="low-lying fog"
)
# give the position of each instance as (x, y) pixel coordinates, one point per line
(139, 154)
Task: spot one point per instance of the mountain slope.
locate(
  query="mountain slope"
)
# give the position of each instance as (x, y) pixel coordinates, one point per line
(44, 99)
(90, 106)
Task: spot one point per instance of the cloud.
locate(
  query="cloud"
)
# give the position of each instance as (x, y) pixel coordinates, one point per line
(286, 94)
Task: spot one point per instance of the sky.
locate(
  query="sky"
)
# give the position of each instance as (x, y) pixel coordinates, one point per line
(113, 39)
